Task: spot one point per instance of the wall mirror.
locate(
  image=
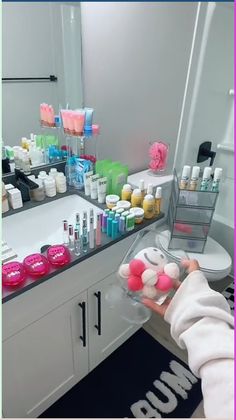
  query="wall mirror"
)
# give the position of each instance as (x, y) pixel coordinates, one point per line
(41, 47)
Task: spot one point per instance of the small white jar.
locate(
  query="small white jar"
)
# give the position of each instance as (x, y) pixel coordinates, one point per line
(112, 200)
(61, 183)
(50, 186)
(124, 204)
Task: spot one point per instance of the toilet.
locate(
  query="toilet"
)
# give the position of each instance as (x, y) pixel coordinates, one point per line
(215, 262)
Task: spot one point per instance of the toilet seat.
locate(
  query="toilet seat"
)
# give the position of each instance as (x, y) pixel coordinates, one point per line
(215, 262)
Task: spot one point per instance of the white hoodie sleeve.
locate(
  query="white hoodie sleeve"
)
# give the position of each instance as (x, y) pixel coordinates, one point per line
(201, 322)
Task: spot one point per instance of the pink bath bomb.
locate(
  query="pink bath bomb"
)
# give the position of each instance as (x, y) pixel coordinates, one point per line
(137, 267)
(165, 283)
(134, 283)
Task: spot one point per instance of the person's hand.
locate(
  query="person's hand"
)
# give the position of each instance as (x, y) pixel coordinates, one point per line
(160, 309)
(189, 265)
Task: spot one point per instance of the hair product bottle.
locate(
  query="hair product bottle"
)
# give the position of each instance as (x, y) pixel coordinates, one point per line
(158, 197)
(185, 177)
(216, 179)
(149, 206)
(194, 178)
(206, 179)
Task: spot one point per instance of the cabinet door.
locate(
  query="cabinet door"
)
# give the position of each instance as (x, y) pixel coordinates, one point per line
(107, 330)
(45, 359)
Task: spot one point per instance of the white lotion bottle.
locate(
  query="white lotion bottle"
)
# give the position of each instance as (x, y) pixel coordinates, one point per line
(216, 179)
(206, 179)
(194, 178)
(185, 177)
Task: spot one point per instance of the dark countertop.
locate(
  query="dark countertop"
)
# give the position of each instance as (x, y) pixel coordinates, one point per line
(10, 293)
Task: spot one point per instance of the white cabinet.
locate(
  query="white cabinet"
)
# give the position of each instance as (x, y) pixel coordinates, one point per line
(45, 359)
(57, 332)
(107, 330)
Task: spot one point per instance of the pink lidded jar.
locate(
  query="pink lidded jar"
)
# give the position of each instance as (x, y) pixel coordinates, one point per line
(36, 265)
(13, 274)
(58, 255)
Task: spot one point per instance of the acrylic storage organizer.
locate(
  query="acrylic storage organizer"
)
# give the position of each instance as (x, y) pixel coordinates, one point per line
(81, 158)
(145, 272)
(189, 217)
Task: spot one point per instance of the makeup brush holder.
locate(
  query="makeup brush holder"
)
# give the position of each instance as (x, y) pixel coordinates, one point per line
(190, 215)
(145, 272)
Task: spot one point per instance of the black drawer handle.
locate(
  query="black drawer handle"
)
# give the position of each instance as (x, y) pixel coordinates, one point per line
(82, 305)
(99, 324)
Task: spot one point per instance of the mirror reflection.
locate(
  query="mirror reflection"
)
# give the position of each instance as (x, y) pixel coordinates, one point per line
(41, 64)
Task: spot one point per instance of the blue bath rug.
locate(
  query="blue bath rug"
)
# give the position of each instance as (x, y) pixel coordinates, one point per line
(140, 379)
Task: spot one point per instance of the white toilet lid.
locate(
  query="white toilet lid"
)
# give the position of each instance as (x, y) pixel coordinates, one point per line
(214, 258)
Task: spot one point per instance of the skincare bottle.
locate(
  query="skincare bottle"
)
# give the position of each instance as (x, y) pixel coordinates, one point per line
(104, 222)
(122, 225)
(50, 186)
(126, 192)
(53, 173)
(102, 188)
(87, 176)
(77, 249)
(42, 175)
(142, 188)
(38, 194)
(26, 163)
(88, 117)
(129, 222)
(114, 229)
(120, 210)
(111, 214)
(61, 183)
(149, 206)
(158, 196)
(194, 178)
(205, 179)
(98, 229)
(65, 233)
(91, 230)
(85, 235)
(94, 186)
(71, 238)
(117, 218)
(109, 226)
(216, 179)
(125, 213)
(77, 222)
(184, 177)
(136, 198)
(150, 189)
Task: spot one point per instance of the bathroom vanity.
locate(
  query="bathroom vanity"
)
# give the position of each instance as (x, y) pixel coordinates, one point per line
(56, 330)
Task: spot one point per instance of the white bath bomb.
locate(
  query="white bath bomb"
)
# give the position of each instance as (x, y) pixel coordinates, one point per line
(172, 270)
(149, 292)
(149, 277)
(124, 271)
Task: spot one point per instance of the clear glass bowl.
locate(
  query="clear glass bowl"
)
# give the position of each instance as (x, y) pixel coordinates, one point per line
(144, 273)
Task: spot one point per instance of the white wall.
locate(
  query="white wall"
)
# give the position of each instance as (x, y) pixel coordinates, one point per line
(208, 114)
(135, 61)
(38, 40)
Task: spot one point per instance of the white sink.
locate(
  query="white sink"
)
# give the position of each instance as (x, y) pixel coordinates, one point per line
(26, 232)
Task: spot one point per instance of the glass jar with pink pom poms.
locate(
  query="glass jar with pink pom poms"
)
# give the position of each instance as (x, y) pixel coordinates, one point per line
(158, 153)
